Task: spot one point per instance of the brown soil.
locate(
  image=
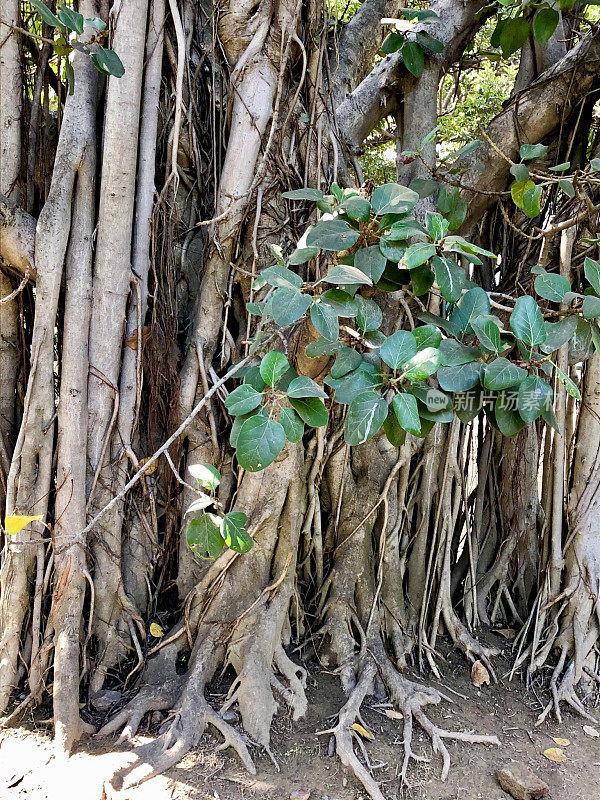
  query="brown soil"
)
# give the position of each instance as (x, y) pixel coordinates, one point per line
(29, 771)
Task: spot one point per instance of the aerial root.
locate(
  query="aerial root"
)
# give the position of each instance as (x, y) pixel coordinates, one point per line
(410, 698)
(564, 692)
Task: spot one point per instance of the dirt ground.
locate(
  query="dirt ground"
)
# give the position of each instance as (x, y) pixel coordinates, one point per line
(29, 771)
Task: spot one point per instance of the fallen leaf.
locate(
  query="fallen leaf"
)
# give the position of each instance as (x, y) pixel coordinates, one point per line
(132, 341)
(479, 674)
(508, 633)
(362, 731)
(589, 731)
(555, 754)
(156, 630)
(300, 794)
(15, 522)
(561, 742)
(393, 714)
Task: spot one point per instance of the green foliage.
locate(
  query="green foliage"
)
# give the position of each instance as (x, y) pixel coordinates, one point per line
(71, 25)
(475, 356)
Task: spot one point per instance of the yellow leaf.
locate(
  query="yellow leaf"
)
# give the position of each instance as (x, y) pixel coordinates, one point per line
(156, 630)
(560, 742)
(393, 714)
(479, 674)
(362, 731)
(555, 754)
(16, 522)
(151, 468)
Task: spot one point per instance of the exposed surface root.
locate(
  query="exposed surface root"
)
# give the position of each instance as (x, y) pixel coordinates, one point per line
(410, 698)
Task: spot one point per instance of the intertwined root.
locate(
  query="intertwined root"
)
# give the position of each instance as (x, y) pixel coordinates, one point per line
(410, 698)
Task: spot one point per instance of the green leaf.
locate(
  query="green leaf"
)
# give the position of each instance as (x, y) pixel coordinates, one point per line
(398, 348)
(302, 255)
(292, 424)
(518, 189)
(531, 202)
(366, 415)
(207, 476)
(332, 234)
(418, 254)
(531, 151)
(592, 273)
(551, 286)
(407, 412)
(395, 434)
(474, 303)
(591, 306)
(71, 19)
(354, 383)
(422, 365)
(452, 206)
(534, 395)
(347, 360)
(421, 279)
(437, 226)
(560, 167)
(559, 333)
(304, 194)
(513, 35)
(460, 378)
(453, 353)
(392, 43)
(259, 442)
(108, 62)
(507, 417)
(343, 275)
(340, 301)
(70, 77)
(45, 13)
(282, 277)
(322, 347)
(567, 187)
(526, 321)
(243, 400)
(391, 198)
(288, 305)
(273, 366)
(520, 172)
(357, 208)
(404, 229)
(502, 373)
(311, 410)
(305, 387)
(449, 277)
(204, 535)
(544, 23)
(488, 333)
(368, 314)
(96, 23)
(371, 262)
(467, 405)
(325, 320)
(427, 336)
(413, 57)
(569, 384)
(429, 42)
(392, 251)
(236, 536)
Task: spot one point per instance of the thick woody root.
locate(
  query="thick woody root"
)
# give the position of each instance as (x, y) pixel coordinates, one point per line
(410, 698)
(253, 645)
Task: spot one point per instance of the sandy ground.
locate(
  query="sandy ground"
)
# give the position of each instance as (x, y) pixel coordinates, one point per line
(29, 770)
